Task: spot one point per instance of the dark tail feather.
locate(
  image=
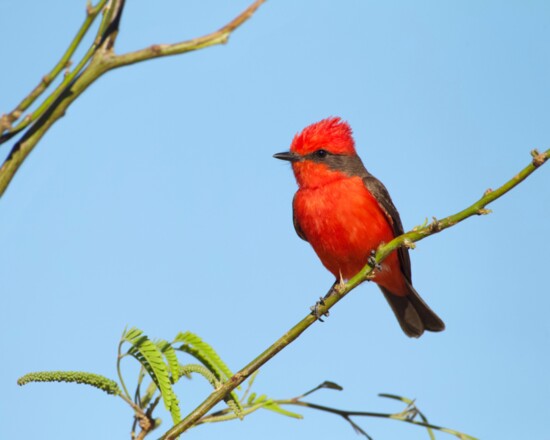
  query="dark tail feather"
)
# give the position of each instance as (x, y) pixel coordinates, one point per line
(413, 313)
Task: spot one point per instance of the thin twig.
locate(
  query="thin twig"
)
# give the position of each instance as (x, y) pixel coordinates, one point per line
(398, 416)
(161, 50)
(7, 120)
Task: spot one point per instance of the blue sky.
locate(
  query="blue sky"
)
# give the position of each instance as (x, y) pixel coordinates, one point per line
(156, 203)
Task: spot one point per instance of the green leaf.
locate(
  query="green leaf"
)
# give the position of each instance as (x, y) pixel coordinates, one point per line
(272, 406)
(150, 356)
(261, 398)
(171, 359)
(204, 353)
(95, 380)
(233, 402)
(396, 397)
(331, 385)
(186, 370)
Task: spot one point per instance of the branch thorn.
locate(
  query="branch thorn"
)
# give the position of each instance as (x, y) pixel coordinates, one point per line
(434, 226)
(483, 211)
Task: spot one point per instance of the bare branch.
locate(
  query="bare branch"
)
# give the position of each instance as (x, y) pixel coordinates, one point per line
(162, 50)
(7, 120)
(98, 60)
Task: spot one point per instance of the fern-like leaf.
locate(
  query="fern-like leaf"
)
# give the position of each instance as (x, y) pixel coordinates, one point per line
(171, 359)
(204, 353)
(233, 403)
(95, 380)
(232, 400)
(186, 370)
(150, 356)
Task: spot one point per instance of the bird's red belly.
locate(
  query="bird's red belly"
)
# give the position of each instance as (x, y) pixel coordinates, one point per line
(343, 223)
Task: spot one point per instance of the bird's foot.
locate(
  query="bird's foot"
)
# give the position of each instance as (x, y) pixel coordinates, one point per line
(315, 309)
(372, 261)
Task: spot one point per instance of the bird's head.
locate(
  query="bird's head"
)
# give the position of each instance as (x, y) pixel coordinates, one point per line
(322, 153)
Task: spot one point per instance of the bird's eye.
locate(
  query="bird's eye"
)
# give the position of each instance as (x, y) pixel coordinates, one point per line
(321, 154)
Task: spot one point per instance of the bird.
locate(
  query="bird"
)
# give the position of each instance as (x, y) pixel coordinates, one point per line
(345, 214)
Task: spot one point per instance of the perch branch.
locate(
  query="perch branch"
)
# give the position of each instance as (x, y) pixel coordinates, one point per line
(478, 208)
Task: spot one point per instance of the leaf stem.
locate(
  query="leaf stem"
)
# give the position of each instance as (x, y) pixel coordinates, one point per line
(119, 371)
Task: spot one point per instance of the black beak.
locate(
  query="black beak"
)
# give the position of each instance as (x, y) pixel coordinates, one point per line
(287, 155)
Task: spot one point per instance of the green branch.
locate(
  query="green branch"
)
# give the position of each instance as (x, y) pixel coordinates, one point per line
(221, 36)
(6, 121)
(98, 59)
(478, 208)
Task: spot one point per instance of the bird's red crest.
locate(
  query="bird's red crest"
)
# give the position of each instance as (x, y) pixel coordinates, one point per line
(331, 134)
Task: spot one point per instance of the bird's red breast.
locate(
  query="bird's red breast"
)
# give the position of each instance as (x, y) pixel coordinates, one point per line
(343, 222)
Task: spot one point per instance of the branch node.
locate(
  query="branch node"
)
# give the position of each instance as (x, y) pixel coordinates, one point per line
(145, 422)
(409, 244)
(5, 123)
(538, 158)
(156, 49)
(487, 192)
(68, 65)
(423, 225)
(435, 226)
(340, 286)
(483, 211)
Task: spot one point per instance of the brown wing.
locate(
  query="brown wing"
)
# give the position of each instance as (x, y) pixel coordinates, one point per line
(412, 313)
(380, 193)
(297, 227)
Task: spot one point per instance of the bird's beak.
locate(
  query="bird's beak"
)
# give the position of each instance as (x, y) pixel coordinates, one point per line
(287, 155)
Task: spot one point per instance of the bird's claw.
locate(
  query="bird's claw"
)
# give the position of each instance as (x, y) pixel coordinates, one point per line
(372, 261)
(316, 312)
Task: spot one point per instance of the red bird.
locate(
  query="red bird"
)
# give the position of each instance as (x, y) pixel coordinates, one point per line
(345, 213)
